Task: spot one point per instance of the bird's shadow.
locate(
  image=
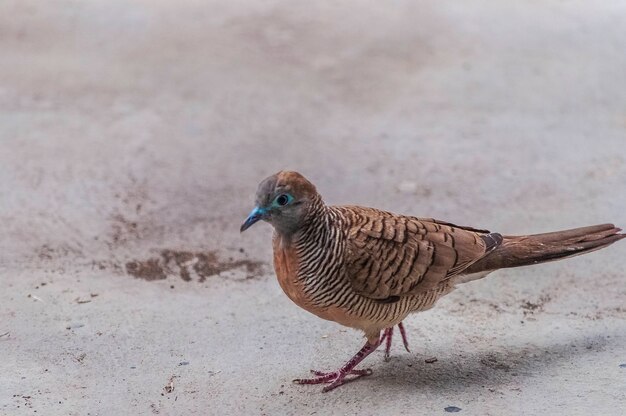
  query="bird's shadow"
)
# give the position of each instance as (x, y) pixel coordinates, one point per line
(495, 367)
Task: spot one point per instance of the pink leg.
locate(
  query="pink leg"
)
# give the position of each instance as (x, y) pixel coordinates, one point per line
(387, 335)
(337, 378)
(405, 341)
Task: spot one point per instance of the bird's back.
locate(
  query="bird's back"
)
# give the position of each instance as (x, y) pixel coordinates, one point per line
(396, 255)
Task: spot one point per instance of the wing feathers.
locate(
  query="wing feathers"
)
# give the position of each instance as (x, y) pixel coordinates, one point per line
(392, 255)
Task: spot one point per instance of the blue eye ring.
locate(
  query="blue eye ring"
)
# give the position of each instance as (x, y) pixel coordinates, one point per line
(283, 199)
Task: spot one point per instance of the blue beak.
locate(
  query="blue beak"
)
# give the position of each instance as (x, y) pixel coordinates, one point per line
(256, 215)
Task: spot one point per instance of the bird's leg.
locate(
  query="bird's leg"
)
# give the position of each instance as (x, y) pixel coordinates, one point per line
(405, 341)
(337, 378)
(387, 335)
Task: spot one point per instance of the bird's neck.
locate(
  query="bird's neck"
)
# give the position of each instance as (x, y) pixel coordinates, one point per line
(316, 220)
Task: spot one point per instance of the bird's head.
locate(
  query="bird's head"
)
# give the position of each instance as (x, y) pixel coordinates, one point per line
(283, 200)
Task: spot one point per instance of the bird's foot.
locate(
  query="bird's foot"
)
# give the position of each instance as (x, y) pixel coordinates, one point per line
(337, 378)
(388, 335)
(334, 378)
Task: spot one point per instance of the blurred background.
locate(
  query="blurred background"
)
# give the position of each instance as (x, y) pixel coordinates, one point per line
(134, 133)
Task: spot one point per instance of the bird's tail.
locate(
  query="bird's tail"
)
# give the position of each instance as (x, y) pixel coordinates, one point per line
(515, 251)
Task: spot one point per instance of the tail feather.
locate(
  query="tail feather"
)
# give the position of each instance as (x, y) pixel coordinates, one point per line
(515, 251)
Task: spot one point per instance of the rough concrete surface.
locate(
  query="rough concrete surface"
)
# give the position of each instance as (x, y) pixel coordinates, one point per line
(133, 136)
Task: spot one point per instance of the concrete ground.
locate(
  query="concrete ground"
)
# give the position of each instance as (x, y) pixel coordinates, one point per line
(134, 134)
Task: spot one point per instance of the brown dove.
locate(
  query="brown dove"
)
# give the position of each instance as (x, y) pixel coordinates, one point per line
(369, 269)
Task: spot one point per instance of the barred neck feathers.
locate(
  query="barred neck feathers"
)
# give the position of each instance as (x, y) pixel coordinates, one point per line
(320, 247)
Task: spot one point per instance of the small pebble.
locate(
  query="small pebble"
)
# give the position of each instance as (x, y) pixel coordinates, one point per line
(430, 360)
(452, 409)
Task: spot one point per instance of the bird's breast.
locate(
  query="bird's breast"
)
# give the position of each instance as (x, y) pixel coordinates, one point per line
(286, 267)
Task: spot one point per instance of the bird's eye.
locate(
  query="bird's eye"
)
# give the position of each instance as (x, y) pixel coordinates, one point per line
(282, 200)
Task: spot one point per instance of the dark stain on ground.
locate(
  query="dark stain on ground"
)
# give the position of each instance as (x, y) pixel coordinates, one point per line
(532, 307)
(150, 269)
(187, 264)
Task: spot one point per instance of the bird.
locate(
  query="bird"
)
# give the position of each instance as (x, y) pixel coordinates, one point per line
(368, 269)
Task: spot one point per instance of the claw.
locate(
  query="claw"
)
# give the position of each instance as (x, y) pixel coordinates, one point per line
(359, 373)
(339, 377)
(335, 378)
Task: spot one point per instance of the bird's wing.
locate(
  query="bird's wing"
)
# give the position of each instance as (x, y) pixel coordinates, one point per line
(391, 255)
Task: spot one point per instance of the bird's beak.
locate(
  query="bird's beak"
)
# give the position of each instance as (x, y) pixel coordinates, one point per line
(256, 215)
